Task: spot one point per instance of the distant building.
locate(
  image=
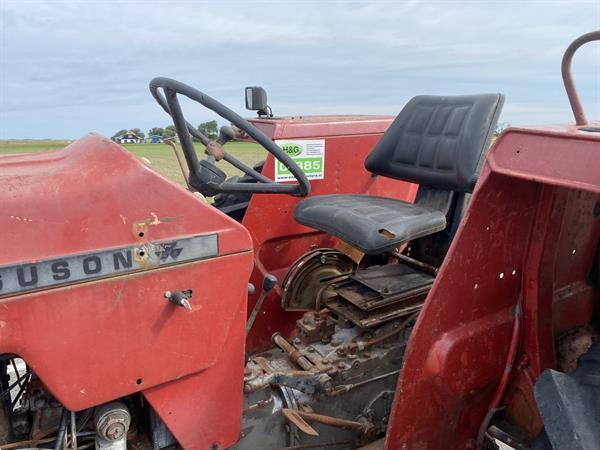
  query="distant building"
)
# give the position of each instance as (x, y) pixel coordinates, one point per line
(155, 139)
(130, 138)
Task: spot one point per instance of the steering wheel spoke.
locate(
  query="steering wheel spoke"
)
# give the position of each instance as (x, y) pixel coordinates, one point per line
(246, 169)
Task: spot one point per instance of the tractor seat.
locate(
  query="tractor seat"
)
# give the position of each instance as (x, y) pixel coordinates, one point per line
(437, 142)
(370, 224)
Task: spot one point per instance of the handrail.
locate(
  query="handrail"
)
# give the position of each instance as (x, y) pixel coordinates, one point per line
(576, 106)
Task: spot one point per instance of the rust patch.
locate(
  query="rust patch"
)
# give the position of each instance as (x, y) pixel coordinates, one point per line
(571, 345)
(142, 257)
(141, 227)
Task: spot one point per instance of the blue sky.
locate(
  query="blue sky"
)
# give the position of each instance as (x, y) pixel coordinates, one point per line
(68, 68)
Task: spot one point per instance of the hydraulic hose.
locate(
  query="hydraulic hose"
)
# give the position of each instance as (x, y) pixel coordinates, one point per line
(62, 428)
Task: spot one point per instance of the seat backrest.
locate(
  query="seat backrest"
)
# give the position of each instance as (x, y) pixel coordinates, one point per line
(438, 141)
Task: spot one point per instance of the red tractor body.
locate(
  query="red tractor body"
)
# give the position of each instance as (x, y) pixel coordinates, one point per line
(117, 284)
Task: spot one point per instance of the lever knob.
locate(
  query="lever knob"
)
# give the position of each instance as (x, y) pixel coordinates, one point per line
(179, 298)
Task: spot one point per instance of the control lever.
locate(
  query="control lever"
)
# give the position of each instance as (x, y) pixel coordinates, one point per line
(180, 298)
(299, 418)
(214, 149)
(226, 134)
(269, 283)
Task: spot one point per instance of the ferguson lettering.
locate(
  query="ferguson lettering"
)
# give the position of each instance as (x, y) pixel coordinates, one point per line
(70, 269)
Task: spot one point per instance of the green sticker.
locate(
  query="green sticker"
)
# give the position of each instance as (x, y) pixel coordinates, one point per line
(309, 155)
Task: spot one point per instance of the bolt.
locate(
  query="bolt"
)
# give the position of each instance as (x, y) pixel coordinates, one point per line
(324, 361)
(310, 349)
(341, 365)
(247, 388)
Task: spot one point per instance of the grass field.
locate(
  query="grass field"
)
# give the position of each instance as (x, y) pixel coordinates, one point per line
(160, 156)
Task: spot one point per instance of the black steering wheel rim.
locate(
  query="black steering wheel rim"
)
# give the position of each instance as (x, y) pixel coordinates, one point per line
(170, 104)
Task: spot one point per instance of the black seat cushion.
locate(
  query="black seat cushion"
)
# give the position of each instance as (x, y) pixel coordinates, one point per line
(438, 141)
(371, 224)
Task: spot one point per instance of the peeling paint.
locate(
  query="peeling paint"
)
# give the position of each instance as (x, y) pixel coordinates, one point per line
(141, 227)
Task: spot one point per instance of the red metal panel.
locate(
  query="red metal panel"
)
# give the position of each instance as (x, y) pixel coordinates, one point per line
(569, 157)
(307, 127)
(204, 410)
(509, 249)
(91, 343)
(460, 342)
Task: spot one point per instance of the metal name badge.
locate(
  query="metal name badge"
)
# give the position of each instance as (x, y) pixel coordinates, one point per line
(30, 276)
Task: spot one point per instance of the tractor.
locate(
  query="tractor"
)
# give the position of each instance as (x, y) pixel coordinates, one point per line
(376, 282)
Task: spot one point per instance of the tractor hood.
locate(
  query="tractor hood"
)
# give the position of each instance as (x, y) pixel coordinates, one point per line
(93, 210)
(93, 245)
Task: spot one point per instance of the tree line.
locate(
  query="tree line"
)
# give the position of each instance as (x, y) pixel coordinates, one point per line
(208, 129)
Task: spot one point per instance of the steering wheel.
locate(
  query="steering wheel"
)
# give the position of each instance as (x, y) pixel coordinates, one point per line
(205, 176)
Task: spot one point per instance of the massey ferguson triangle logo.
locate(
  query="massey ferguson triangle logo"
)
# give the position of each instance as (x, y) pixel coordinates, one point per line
(169, 250)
